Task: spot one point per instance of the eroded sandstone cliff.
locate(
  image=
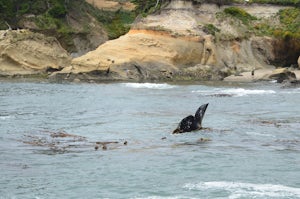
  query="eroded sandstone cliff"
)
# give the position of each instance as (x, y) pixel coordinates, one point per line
(182, 41)
(25, 53)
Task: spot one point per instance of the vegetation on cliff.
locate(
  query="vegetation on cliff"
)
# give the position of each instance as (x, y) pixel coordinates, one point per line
(278, 2)
(284, 26)
(150, 3)
(52, 17)
(240, 14)
(218, 40)
(288, 26)
(116, 23)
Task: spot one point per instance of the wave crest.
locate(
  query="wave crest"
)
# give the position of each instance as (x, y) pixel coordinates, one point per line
(247, 190)
(149, 85)
(238, 92)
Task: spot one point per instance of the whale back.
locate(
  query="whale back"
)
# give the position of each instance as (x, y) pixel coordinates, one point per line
(185, 125)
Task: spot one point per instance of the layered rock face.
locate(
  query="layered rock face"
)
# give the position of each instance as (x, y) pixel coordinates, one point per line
(176, 43)
(181, 41)
(140, 54)
(24, 53)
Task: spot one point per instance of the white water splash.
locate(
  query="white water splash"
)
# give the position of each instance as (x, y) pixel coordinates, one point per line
(242, 92)
(291, 91)
(5, 117)
(159, 197)
(247, 190)
(149, 85)
(238, 92)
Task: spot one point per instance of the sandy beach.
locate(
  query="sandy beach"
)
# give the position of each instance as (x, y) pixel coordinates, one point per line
(259, 75)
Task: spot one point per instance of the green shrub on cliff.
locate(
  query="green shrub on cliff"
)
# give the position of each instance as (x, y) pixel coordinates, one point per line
(144, 6)
(58, 11)
(290, 24)
(240, 14)
(288, 28)
(119, 24)
(278, 2)
(11, 11)
(116, 23)
(210, 29)
(290, 18)
(53, 17)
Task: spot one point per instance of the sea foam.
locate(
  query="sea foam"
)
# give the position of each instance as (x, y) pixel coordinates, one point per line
(149, 85)
(246, 190)
(159, 197)
(5, 117)
(242, 92)
(237, 92)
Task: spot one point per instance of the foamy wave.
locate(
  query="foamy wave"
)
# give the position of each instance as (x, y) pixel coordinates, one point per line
(5, 117)
(246, 190)
(235, 92)
(158, 197)
(149, 85)
(292, 91)
(242, 92)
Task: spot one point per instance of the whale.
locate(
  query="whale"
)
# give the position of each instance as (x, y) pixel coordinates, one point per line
(192, 123)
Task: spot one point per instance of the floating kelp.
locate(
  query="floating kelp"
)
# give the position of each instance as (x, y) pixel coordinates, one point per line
(57, 142)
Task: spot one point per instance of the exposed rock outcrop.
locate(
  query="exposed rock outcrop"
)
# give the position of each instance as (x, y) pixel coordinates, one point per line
(79, 31)
(24, 53)
(282, 74)
(181, 41)
(176, 43)
(139, 55)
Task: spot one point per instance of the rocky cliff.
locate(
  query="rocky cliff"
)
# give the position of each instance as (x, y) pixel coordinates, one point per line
(79, 25)
(182, 41)
(26, 53)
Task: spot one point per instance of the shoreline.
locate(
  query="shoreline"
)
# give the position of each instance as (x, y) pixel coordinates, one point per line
(279, 75)
(259, 75)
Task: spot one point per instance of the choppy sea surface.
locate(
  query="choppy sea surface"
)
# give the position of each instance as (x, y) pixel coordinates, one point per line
(48, 134)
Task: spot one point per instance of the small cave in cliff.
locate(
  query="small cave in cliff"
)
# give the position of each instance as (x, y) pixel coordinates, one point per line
(286, 52)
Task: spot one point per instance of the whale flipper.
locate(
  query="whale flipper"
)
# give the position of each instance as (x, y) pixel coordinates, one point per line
(191, 123)
(200, 113)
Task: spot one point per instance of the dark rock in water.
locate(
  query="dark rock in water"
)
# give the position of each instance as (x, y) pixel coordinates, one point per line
(291, 83)
(104, 147)
(221, 95)
(202, 140)
(106, 143)
(282, 74)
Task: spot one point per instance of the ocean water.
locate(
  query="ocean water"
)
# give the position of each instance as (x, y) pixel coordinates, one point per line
(48, 133)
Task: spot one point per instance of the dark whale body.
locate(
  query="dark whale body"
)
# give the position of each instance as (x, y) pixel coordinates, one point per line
(192, 123)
